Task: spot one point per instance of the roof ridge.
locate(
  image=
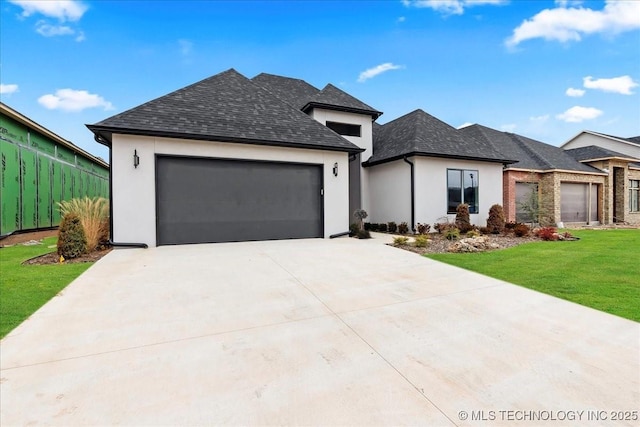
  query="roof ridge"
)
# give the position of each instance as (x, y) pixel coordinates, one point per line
(518, 139)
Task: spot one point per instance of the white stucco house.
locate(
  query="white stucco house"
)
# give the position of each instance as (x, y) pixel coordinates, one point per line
(231, 159)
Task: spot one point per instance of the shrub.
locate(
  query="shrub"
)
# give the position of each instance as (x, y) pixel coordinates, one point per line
(462, 218)
(547, 233)
(392, 227)
(400, 241)
(353, 229)
(421, 241)
(373, 227)
(473, 233)
(484, 230)
(72, 241)
(367, 226)
(363, 234)
(382, 227)
(567, 235)
(93, 214)
(510, 225)
(403, 228)
(521, 230)
(441, 227)
(495, 221)
(452, 233)
(360, 215)
(423, 228)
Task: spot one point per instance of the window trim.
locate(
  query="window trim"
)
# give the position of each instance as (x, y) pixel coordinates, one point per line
(345, 127)
(634, 190)
(473, 209)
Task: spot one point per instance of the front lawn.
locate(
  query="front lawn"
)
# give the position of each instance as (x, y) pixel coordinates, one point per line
(601, 270)
(26, 288)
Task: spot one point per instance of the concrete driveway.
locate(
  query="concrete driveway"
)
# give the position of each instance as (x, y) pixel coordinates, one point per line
(312, 332)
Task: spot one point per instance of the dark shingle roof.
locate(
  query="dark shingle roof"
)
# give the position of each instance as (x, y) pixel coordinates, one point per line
(593, 152)
(419, 133)
(634, 139)
(333, 98)
(226, 107)
(295, 92)
(531, 154)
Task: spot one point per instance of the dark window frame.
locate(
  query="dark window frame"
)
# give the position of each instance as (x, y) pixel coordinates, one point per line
(345, 129)
(469, 197)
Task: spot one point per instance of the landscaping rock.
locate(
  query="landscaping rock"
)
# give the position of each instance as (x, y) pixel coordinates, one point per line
(473, 244)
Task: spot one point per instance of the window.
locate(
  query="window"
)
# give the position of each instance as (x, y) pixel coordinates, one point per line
(344, 128)
(462, 187)
(634, 195)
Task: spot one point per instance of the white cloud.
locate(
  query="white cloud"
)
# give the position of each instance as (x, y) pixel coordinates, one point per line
(576, 93)
(48, 30)
(401, 19)
(539, 119)
(450, 7)
(186, 47)
(510, 127)
(621, 85)
(579, 114)
(378, 69)
(63, 10)
(570, 24)
(566, 3)
(8, 89)
(465, 124)
(73, 100)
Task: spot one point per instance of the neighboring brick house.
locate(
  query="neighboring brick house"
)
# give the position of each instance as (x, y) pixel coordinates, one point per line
(565, 190)
(619, 158)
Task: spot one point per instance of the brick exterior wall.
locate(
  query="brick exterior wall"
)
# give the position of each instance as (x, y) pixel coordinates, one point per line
(509, 179)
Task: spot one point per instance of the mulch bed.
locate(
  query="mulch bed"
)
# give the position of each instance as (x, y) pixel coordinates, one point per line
(54, 258)
(439, 244)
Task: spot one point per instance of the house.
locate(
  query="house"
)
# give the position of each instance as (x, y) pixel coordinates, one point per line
(422, 169)
(619, 158)
(231, 159)
(39, 170)
(546, 182)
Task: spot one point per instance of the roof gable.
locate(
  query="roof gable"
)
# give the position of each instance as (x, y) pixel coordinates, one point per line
(333, 98)
(419, 133)
(226, 107)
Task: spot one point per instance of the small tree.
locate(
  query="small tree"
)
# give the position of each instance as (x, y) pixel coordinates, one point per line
(72, 241)
(462, 218)
(360, 215)
(495, 222)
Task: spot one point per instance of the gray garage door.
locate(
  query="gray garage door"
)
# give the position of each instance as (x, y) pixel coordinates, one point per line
(574, 205)
(211, 200)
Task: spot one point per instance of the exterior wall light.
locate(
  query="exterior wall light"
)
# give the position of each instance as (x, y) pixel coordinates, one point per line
(136, 159)
(335, 169)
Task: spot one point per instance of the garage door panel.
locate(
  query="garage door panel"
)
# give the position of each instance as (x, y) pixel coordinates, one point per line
(207, 200)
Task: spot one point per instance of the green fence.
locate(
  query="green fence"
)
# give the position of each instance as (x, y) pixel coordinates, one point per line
(37, 174)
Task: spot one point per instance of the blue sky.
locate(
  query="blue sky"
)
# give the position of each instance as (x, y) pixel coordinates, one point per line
(544, 69)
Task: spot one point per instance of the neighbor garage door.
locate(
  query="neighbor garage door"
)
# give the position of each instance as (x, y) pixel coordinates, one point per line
(212, 200)
(574, 206)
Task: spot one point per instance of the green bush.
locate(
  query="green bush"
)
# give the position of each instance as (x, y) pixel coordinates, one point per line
(473, 233)
(403, 228)
(72, 241)
(353, 229)
(495, 221)
(452, 233)
(421, 241)
(94, 217)
(400, 241)
(382, 227)
(392, 227)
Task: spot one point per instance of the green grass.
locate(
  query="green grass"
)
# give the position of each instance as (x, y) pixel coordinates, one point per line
(26, 288)
(601, 270)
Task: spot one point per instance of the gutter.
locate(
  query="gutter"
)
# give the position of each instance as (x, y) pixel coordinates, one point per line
(413, 194)
(345, 233)
(128, 245)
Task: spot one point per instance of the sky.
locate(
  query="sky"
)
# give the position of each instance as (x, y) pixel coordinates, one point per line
(543, 69)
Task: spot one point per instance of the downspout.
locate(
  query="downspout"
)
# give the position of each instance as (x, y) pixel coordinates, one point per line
(100, 140)
(413, 195)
